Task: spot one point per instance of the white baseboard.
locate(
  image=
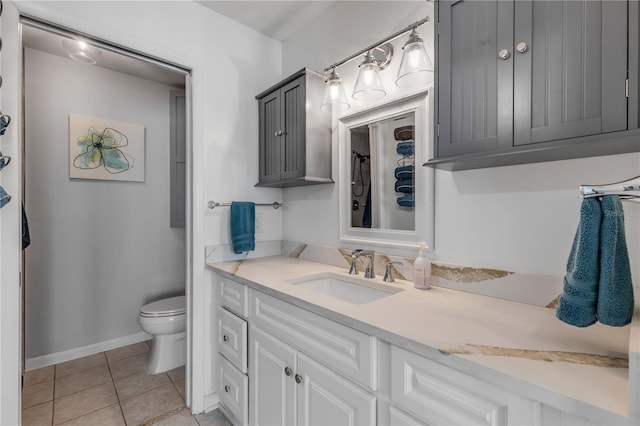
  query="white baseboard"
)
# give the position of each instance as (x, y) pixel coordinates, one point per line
(211, 402)
(68, 355)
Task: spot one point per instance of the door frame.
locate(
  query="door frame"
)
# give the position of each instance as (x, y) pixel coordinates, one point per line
(10, 250)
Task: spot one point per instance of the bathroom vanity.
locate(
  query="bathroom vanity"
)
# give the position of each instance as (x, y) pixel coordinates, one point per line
(294, 347)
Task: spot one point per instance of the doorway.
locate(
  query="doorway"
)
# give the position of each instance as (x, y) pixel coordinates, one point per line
(101, 246)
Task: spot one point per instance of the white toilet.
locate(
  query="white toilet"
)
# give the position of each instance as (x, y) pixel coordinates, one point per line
(165, 320)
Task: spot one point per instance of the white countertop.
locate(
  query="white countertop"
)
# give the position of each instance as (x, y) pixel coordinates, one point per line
(514, 345)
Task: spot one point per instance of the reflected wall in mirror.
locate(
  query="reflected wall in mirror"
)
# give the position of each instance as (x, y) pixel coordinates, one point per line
(384, 198)
(382, 174)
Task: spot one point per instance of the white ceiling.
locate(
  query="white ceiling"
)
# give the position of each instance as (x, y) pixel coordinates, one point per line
(49, 42)
(276, 19)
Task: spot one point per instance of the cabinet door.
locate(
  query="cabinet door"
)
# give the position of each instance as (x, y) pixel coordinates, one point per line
(293, 126)
(570, 80)
(269, 138)
(272, 391)
(324, 398)
(475, 86)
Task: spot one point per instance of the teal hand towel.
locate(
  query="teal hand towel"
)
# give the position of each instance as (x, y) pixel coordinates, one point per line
(243, 226)
(615, 293)
(578, 302)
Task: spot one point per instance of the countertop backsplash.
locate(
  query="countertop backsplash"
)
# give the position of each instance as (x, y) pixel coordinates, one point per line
(533, 289)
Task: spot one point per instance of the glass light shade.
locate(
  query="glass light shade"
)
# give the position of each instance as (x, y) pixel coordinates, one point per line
(334, 95)
(416, 68)
(369, 85)
(81, 51)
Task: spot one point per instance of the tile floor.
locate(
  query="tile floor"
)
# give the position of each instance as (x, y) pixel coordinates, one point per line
(109, 388)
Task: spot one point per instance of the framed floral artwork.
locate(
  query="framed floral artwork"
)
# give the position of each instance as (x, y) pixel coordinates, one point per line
(104, 149)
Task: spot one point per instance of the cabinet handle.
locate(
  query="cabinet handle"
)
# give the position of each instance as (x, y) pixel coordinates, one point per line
(287, 371)
(227, 388)
(522, 47)
(504, 54)
(225, 338)
(279, 133)
(298, 378)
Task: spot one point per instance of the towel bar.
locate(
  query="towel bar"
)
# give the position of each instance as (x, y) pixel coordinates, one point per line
(213, 204)
(627, 189)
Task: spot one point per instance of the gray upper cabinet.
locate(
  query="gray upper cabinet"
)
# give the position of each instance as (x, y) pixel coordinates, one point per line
(294, 134)
(177, 158)
(526, 81)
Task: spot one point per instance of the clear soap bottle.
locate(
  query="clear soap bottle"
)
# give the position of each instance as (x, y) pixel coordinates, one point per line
(422, 269)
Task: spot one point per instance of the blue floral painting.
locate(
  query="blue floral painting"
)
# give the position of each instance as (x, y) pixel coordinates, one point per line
(105, 149)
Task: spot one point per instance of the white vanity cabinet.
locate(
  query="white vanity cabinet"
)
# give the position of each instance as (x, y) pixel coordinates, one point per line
(441, 395)
(281, 363)
(232, 350)
(290, 388)
(298, 362)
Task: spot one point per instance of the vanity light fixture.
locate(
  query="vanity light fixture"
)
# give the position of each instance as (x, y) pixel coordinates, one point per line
(334, 95)
(377, 56)
(368, 84)
(81, 51)
(415, 68)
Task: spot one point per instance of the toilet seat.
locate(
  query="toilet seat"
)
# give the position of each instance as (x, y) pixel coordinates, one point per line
(164, 308)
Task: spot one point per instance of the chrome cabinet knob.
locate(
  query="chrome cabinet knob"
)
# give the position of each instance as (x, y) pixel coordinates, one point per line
(504, 54)
(522, 47)
(298, 378)
(225, 338)
(287, 371)
(227, 388)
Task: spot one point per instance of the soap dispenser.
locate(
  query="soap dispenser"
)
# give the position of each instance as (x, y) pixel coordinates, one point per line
(422, 269)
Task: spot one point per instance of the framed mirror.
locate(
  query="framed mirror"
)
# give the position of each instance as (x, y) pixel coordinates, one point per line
(386, 195)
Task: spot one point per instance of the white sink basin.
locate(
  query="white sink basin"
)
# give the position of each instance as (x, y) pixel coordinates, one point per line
(349, 289)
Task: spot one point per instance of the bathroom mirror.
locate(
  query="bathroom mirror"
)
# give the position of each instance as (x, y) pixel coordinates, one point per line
(386, 195)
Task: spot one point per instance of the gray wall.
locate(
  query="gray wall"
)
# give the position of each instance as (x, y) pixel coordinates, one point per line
(99, 249)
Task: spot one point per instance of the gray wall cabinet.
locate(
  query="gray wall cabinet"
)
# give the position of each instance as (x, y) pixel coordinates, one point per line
(294, 134)
(526, 81)
(178, 160)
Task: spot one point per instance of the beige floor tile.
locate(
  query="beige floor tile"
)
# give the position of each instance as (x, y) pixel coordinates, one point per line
(81, 403)
(85, 379)
(180, 386)
(176, 374)
(40, 415)
(151, 404)
(127, 351)
(37, 394)
(138, 384)
(182, 418)
(212, 418)
(129, 366)
(110, 416)
(38, 376)
(80, 364)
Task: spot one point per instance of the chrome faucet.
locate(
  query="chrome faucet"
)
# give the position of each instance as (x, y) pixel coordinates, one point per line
(355, 254)
(388, 275)
(369, 271)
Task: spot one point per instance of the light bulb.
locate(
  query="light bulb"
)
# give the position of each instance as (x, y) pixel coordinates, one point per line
(334, 96)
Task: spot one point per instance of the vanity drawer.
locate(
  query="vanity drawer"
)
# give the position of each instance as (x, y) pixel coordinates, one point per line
(234, 296)
(234, 391)
(232, 338)
(340, 348)
(441, 395)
